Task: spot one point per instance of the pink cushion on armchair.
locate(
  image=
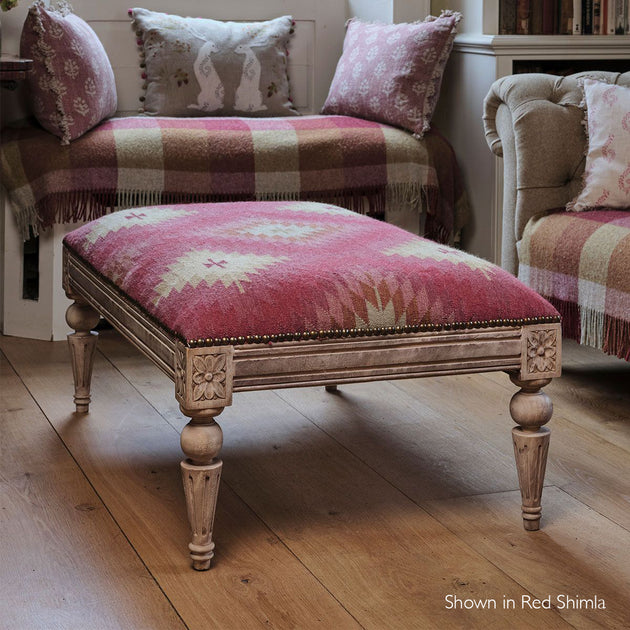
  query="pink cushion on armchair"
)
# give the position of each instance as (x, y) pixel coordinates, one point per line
(247, 272)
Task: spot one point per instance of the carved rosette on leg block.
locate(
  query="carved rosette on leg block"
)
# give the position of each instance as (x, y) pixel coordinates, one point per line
(81, 317)
(531, 408)
(203, 387)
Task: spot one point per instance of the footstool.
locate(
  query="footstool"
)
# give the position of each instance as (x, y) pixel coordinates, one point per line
(244, 296)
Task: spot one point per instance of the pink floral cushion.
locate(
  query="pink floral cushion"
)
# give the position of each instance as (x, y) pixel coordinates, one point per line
(247, 272)
(71, 82)
(607, 172)
(392, 73)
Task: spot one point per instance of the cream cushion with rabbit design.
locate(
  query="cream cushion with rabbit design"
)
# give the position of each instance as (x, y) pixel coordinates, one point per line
(203, 67)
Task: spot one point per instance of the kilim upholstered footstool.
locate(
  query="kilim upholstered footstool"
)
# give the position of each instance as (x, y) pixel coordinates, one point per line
(257, 295)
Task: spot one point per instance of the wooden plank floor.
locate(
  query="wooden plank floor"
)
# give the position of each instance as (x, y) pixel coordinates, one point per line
(370, 508)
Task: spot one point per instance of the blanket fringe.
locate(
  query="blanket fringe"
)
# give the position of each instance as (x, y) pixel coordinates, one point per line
(594, 328)
(617, 338)
(592, 325)
(86, 205)
(27, 221)
(570, 317)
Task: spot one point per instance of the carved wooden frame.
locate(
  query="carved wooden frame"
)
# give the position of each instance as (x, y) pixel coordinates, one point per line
(205, 378)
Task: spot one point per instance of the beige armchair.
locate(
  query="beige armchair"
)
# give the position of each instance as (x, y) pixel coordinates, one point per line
(535, 122)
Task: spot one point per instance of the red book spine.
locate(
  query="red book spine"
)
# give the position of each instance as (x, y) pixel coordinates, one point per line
(548, 7)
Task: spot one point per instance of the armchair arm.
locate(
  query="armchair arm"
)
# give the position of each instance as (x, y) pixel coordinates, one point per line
(534, 121)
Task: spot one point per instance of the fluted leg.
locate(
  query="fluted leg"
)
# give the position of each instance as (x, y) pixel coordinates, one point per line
(531, 408)
(201, 442)
(82, 318)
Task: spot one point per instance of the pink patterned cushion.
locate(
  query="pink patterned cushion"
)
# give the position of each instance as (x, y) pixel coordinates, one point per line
(256, 271)
(72, 83)
(392, 73)
(607, 171)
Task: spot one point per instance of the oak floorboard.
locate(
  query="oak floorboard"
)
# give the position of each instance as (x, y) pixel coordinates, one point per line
(380, 554)
(64, 561)
(131, 456)
(590, 468)
(579, 553)
(408, 442)
(594, 392)
(405, 440)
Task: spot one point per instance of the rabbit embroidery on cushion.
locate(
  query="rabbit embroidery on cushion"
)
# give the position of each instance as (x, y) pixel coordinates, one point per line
(248, 97)
(212, 91)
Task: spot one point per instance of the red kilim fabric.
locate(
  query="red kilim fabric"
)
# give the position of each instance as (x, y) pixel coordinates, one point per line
(245, 271)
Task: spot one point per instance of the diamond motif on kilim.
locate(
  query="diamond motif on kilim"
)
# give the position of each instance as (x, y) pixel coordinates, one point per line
(429, 250)
(197, 266)
(314, 207)
(130, 218)
(281, 231)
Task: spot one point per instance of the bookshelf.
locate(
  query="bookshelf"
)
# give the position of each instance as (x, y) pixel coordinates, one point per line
(489, 22)
(480, 56)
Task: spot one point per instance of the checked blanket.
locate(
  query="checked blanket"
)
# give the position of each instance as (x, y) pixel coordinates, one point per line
(579, 261)
(136, 161)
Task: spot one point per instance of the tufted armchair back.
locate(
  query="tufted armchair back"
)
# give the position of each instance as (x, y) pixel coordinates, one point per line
(534, 121)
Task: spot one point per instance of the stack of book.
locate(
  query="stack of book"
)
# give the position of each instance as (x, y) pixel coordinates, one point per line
(563, 17)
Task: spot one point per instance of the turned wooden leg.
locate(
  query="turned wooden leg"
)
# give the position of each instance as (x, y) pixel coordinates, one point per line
(531, 408)
(201, 442)
(82, 318)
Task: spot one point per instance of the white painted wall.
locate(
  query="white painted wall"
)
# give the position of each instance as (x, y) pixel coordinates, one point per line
(472, 21)
(389, 10)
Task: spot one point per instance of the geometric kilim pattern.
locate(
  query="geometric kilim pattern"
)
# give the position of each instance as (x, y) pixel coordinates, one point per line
(128, 218)
(431, 250)
(210, 266)
(251, 271)
(277, 230)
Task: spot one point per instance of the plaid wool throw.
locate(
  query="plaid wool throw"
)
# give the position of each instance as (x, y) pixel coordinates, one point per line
(125, 162)
(579, 261)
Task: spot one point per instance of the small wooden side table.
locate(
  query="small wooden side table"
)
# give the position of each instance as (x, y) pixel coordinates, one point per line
(12, 70)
